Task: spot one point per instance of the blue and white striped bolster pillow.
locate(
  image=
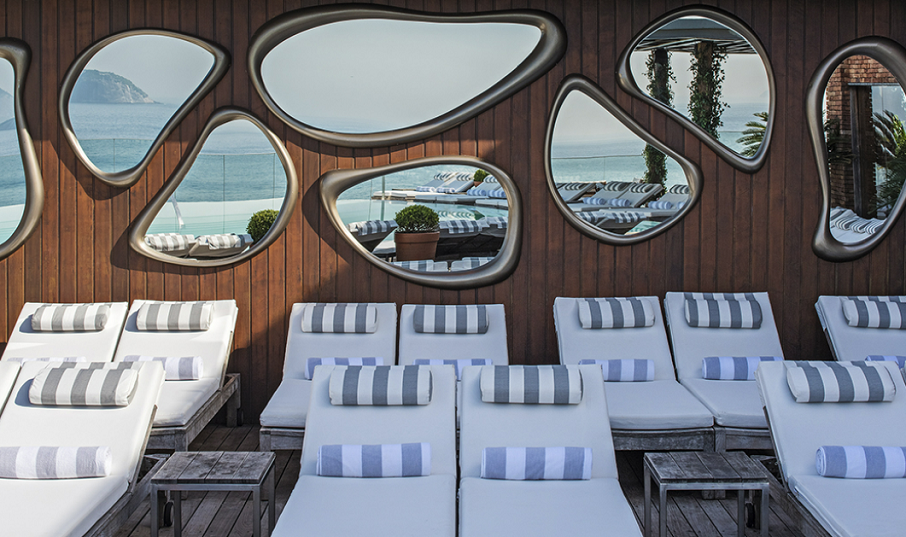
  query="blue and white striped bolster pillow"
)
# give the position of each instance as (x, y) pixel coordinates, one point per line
(619, 202)
(70, 317)
(419, 266)
(536, 463)
(839, 382)
(311, 363)
(382, 385)
(48, 359)
(900, 360)
(615, 186)
(861, 462)
(425, 189)
(624, 370)
(340, 318)
(596, 201)
(874, 314)
(83, 386)
(446, 190)
(615, 313)
(660, 205)
(458, 365)
(476, 191)
(47, 462)
(375, 226)
(174, 316)
(175, 367)
(708, 313)
(462, 319)
(643, 188)
(679, 189)
(531, 384)
(733, 367)
(169, 242)
(680, 205)
(381, 460)
(497, 193)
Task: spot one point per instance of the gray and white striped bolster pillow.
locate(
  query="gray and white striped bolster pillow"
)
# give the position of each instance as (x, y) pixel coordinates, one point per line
(536, 463)
(375, 226)
(48, 359)
(615, 313)
(679, 189)
(341, 318)
(462, 319)
(660, 205)
(458, 365)
(382, 385)
(83, 386)
(861, 462)
(874, 314)
(625, 369)
(70, 317)
(169, 242)
(708, 313)
(733, 367)
(642, 187)
(615, 186)
(381, 460)
(839, 382)
(46, 462)
(174, 316)
(531, 384)
(227, 240)
(312, 363)
(425, 265)
(175, 368)
(900, 360)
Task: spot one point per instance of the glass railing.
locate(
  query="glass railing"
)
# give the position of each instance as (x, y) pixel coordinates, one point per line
(627, 168)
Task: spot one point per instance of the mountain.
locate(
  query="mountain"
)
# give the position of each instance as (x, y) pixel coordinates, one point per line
(101, 87)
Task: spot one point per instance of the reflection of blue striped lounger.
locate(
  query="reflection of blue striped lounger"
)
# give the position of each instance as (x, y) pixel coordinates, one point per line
(459, 228)
(174, 244)
(426, 265)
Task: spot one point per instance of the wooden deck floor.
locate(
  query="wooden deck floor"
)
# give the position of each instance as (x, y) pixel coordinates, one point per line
(218, 514)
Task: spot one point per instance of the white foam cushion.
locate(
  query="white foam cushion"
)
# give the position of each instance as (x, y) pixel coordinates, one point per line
(854, 507)
(179, 401)
(288, 406)
(733, 403)
(660, 404)
(850, 343)
(491, 345)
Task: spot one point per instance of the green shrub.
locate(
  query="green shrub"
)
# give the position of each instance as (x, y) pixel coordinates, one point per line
(261, 222)
(416, 219)
(479, 175)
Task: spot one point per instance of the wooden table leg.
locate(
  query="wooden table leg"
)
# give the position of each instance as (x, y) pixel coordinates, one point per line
(648, 499)
(663, 514)
(765, 514)
(256, 510)
(740, 513)
(271, 501)
(177, 513)
(155, 512)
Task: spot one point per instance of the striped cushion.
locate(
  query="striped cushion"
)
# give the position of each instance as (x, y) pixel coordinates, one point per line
(49, 359)
(625, 370)
(710, 313)
(475, 262)
(598, 201)
(622, 217)
(642, 188)
(900, 360)
(660, 205)
(382, 385)
(733, 367)
(679, 189)
(458, 227)
(83, 386)
(839, 382)
(615, 186)
(535, 463)
(70, 317)
(497, 193)
(174, 316)
(494, 222)
(225, 240)
(463, 319)
(874, 314)
(372, 227)
(339, 318)
(169, 242)
(382, 460)
(861, 462)
(425, 265)
(615, 313)
(175, 368)
(531, 384)
(46, 462)
(458, 365)
(311, 363)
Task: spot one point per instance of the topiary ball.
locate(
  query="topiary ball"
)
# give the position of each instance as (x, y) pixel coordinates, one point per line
(416, 219)
(261, 222)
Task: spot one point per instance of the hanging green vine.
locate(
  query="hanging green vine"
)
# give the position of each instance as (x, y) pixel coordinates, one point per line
(705, 106)
(659, 74)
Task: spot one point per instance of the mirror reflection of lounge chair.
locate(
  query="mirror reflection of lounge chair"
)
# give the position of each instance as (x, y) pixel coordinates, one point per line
(452, 183)
(372, 232)
(468, 263)
(488, 189)
(612, 219)
(848, 227)
(424, 265)
(220, 245)
(630, 195)
(431, 186)
(175, 244)
(571, 192)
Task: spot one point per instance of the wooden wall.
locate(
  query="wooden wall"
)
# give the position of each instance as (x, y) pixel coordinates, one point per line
(750, 232)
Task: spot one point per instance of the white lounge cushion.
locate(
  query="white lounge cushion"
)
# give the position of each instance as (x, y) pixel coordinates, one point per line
(288, 406)
(851, 343)
(661, 404)
(491, 344)
(48, 359)
(733, 403)
(854, 507)
(179, 401)
(312, 363)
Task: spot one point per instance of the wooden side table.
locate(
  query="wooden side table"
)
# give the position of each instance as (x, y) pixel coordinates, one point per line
(689, 470)
(216, 470)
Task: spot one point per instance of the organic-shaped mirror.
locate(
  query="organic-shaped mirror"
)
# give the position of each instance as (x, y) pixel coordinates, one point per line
(610, 178)
(125, 94)
(230, 197)
(856, 108)
(469, 208)
(706, 69)
(21, 184)
(359, 75)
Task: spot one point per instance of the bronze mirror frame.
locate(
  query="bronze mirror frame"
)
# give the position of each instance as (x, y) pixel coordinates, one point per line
(146, 217)
(128, 177)
(335, 182)
(548, 52)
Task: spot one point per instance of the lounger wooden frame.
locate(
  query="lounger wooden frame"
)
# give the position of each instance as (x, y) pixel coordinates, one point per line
(695, 439)
(274, 438)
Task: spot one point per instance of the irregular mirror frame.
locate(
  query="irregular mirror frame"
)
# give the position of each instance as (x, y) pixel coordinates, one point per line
(547, 52)
(730, 35)
(18, 54)
(578, 83)
(127, 177)
(145, 219)
(335, 182)
(892, 56)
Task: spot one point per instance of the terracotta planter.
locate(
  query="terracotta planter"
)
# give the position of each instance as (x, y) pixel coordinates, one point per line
(416, 246)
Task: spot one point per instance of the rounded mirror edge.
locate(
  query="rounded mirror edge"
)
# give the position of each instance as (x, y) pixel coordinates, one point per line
(893, 57)
(693, 174)
(629, 85)
(550, 49)
(128, 177)
(220, 117)
(335, 182)
(18, 54)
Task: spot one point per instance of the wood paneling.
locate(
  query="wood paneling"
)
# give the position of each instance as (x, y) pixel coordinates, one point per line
(750, 232)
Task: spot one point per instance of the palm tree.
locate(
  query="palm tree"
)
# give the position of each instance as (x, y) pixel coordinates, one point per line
(753, 136)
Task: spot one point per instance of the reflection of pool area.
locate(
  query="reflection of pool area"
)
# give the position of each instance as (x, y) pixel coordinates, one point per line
(363, 210)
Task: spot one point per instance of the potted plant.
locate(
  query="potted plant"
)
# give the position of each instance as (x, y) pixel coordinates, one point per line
(478, 177)
(260, 223)
(416, 233)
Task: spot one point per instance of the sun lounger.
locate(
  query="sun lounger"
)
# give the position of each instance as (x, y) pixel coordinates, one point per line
(654, 415)
(399, 506)
(570, 192)
(739, 421)
(372, 232)
(633, 195)
(451, 183)
(283, 420)
(488, 189)
(220, 245)
(854, 343)
(595, 506)
(187, 406)
(175, 244)
(423, 265)
(468, 263)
